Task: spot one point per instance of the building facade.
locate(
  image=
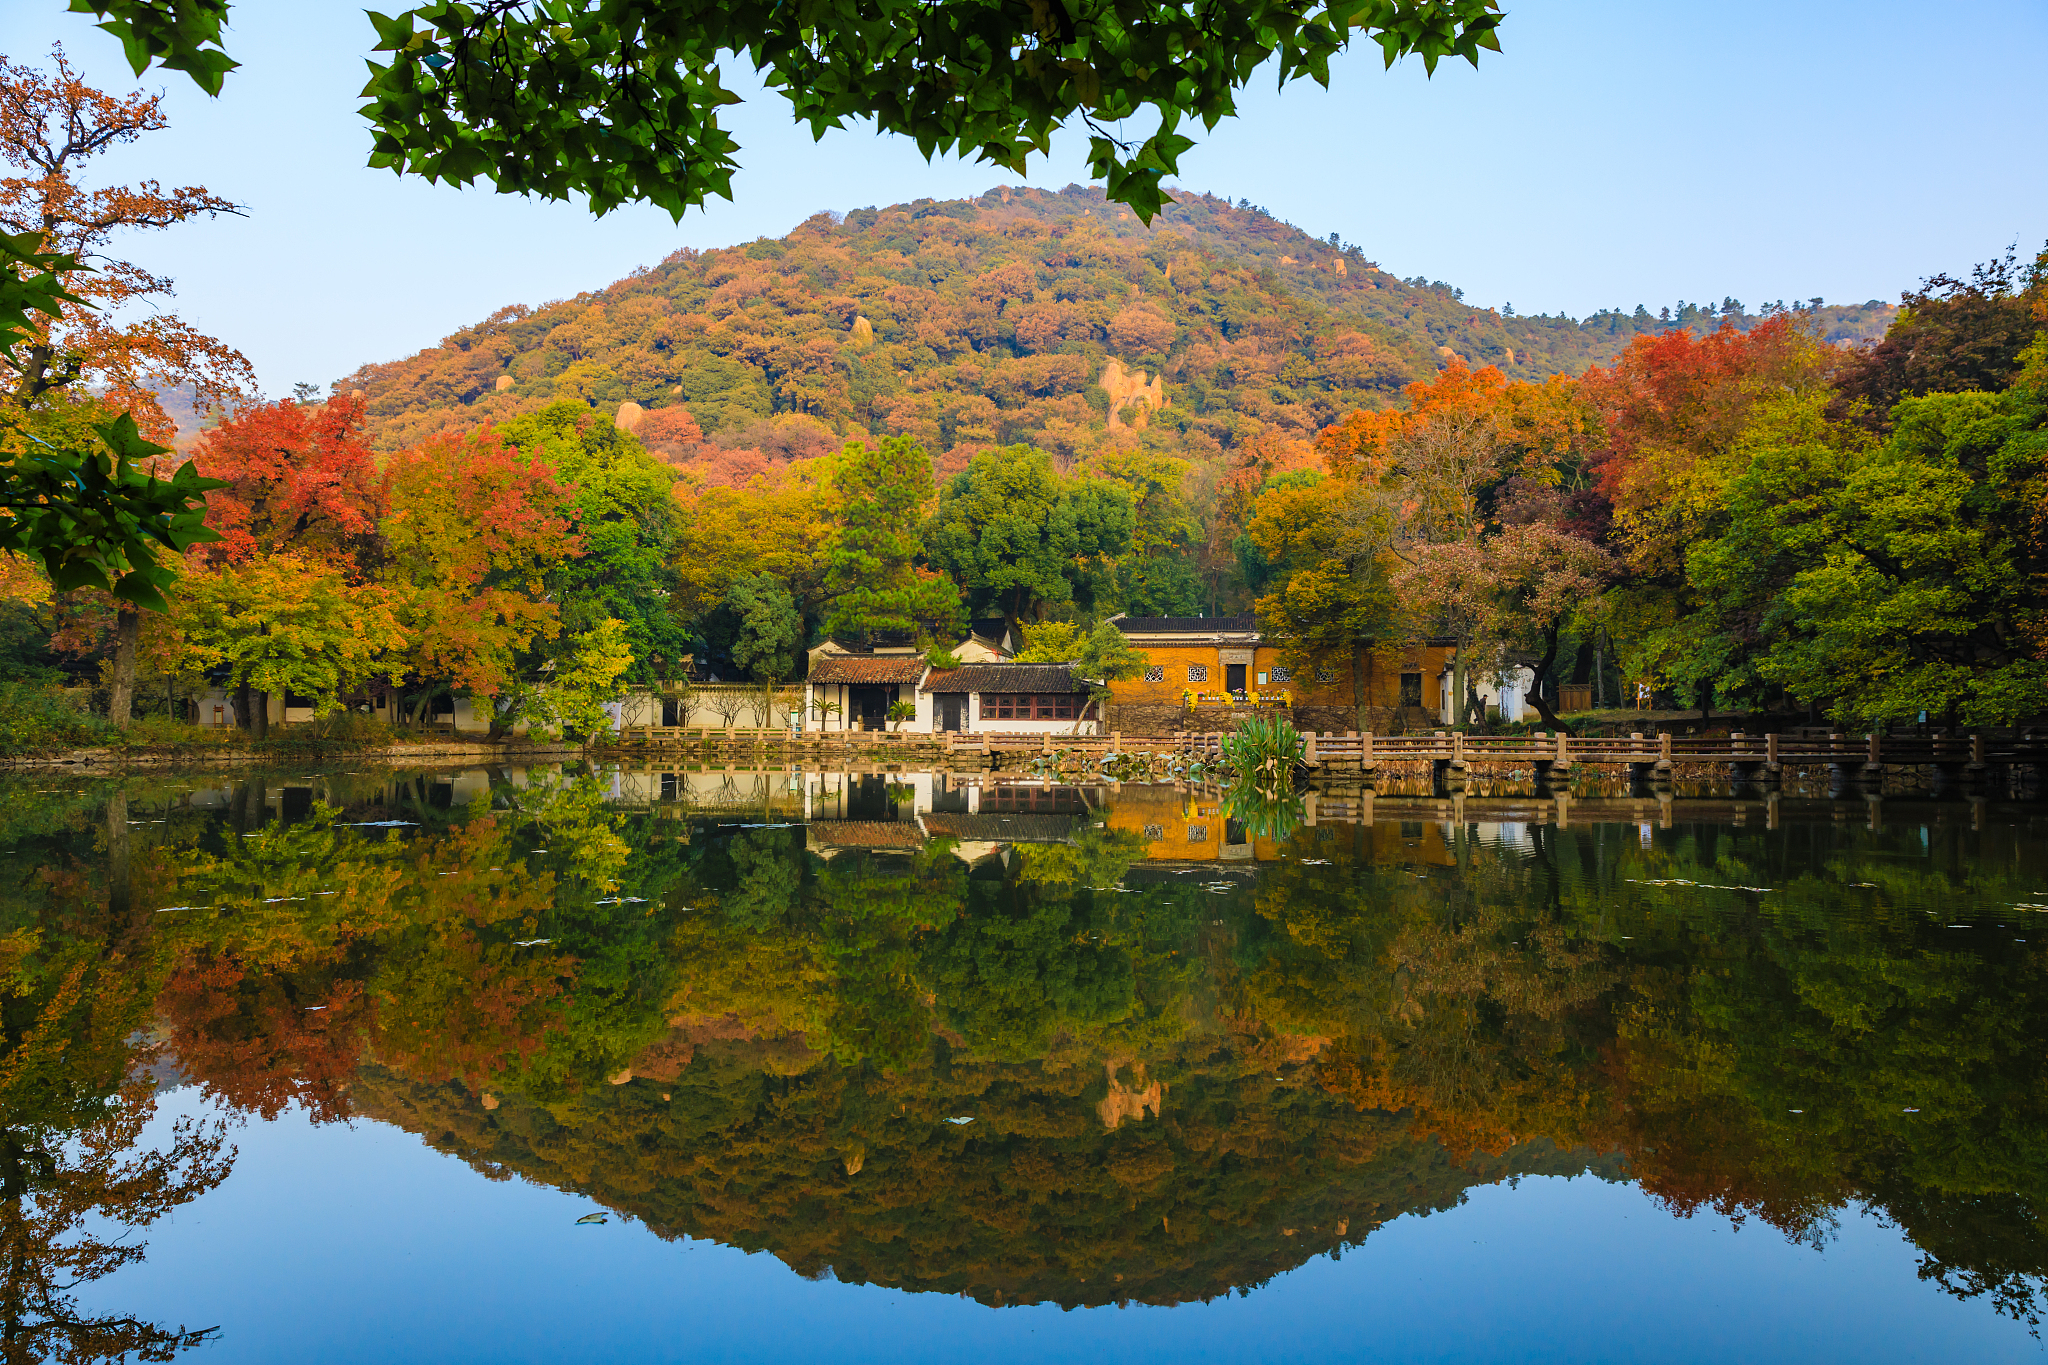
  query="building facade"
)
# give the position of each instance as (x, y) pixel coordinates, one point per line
(1011, 698)
(1201, 662)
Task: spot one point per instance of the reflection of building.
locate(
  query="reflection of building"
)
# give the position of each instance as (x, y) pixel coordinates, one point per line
(892, 812)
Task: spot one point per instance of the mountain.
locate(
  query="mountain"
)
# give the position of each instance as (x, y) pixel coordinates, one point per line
(1024, 315)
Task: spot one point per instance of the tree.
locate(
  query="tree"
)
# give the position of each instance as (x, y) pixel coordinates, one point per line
(287, 623)
(512, 95)
(1950, 335)
(1678, 412)
(1883, 582)
(872, 579)
(1544, 578)
(1326, 560)
(474, 530)
(294, 476)
(624, 512)
(775, 525)
(577, 688)
(51, 126)
(770, 638)
(1017, 537)
(84, 501)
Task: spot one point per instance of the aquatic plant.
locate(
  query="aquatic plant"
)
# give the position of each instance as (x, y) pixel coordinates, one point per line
(1264, 751)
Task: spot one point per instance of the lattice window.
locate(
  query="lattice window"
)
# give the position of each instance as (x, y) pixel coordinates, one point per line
(1326, 675)
(1155, 832)
(1156, 673)
(1282, 674)
(1198, 672)
(1198, 834)
(1062, 706)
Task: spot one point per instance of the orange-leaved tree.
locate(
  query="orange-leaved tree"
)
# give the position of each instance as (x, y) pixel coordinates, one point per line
(473, 528)
(51, 125)
(298, 477)
(1436, 479)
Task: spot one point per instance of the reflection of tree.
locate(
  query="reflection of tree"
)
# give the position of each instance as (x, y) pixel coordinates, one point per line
(1371, 1011)
(55, 1181)
(69, 1005)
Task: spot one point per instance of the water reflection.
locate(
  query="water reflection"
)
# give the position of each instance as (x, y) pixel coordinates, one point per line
(1026, 1042)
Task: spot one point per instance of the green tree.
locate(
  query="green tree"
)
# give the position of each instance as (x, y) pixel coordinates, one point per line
(872, 578)
(1914, 570)
(621, 506)
(285, 623)
(770, 635)
(1019, 538)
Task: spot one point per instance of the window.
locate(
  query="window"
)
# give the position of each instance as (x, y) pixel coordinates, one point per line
(1326, 675)
(1155, 832)
(298, 701)
(1156, 673)
(1035, 800)
(1017, 706)
(1281, 673)
(1198, 834)
(1198, 672)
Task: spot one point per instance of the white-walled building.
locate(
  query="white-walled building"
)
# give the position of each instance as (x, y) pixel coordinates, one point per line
(1505, 695)
(1012, 698)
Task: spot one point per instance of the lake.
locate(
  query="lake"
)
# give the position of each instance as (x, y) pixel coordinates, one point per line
(588, 1064)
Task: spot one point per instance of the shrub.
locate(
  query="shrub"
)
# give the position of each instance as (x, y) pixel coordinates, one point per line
(36, 718)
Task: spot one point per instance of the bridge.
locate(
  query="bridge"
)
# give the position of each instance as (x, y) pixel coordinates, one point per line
(1744, 755)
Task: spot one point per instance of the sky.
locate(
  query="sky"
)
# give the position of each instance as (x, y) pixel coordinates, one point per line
(1612, 154)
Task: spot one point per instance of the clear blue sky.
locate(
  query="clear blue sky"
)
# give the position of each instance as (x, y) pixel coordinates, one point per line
(1613, 153)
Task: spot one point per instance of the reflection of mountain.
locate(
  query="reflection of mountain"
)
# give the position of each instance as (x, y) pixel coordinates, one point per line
(1240, 1177)
(735, 1026)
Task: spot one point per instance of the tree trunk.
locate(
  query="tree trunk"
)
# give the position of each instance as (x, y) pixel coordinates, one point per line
(1536, 692)
(1599, 669)
(259, 714)
(242, 721)
(117, 856)
(127, 630)
(1582, 661)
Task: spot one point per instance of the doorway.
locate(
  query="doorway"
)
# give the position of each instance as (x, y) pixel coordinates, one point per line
(1411, 689)
(867, 708)
(1233, 679)
(952, 711)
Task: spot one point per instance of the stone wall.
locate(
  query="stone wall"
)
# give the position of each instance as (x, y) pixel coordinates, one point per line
(1157, 722)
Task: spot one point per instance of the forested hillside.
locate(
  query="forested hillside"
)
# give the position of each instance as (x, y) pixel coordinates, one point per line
(991, 321)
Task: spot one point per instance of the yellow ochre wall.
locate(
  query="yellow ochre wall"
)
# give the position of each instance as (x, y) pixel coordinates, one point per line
(1383, 672)
(1178, 826)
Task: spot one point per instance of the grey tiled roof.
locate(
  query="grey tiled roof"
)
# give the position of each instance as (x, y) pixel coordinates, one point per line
(1006, 678)
(1185, 625)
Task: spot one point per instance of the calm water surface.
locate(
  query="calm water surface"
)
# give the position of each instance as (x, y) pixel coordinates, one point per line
(518, 1065)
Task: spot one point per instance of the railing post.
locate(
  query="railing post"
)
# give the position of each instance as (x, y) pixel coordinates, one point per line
(1771, 749)
(1976, 748)
(1365, 750)
(1664, 747)
(1564, 757)
(1873, 760)
(1308, 753)
(1457, 746)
